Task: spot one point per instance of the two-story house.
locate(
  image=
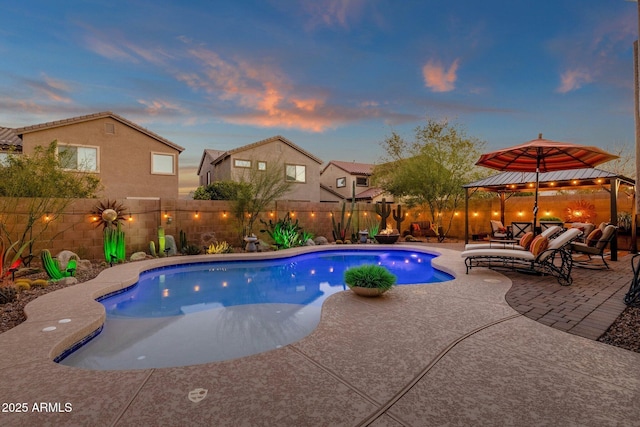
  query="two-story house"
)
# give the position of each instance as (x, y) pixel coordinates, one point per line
(130, 161)
(299, 167)
(337, 179)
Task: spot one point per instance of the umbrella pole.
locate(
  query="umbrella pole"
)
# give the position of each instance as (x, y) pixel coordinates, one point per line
(535, 203)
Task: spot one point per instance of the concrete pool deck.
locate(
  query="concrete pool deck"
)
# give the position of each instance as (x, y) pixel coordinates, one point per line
(453, 353)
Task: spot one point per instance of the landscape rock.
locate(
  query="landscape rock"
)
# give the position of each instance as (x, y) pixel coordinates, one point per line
(321, 240)
(170, 244)
(138, 256)
(207, 239)
(66, 281)
(64, 256)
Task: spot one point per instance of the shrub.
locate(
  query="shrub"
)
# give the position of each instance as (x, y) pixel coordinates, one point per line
(370, 276)
(286, 233)
(219, 248)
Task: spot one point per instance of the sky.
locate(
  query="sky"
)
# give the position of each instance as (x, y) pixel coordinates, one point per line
(335, 77)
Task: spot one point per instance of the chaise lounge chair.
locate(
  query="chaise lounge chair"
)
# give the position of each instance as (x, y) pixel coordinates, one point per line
(554, 259)
(594, 245)
(549, 233)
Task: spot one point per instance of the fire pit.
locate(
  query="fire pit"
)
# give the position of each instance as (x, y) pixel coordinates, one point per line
(388, 236)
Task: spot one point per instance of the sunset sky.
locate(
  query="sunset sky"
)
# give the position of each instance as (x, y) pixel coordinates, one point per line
(333, 76)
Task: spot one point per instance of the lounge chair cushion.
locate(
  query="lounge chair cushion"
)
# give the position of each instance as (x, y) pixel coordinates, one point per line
(593, 237)
(607, 235)
(538, 245)
(526, 240)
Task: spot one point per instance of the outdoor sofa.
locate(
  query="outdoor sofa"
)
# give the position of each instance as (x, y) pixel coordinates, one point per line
(594, 245)
(552, 257)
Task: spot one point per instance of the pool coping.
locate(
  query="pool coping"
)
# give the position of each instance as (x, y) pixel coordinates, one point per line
(476, 317)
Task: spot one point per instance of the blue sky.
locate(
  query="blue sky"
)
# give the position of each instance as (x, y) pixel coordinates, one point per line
(333, 76)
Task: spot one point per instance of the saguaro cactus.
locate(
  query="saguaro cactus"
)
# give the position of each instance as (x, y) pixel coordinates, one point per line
(399, 217)
(383, 210)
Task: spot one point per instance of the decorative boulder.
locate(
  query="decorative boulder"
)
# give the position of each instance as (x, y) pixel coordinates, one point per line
(84, 264)
(309, 242)
(207, 239)
(138, 256)
(64, 257)
(321, 240)
(170, 244)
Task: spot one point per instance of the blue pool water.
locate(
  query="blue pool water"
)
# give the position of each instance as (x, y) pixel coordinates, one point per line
(197, 313)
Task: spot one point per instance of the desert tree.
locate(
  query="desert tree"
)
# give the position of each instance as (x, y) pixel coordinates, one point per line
(430, 170)
(36, 185)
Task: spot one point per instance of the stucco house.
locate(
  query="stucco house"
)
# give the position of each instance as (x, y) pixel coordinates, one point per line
(298, 166)
(131, 161)
(337, 179)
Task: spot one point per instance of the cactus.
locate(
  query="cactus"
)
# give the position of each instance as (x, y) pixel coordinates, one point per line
(152, 248)
(114, 244)
(340, 232)
(161, 241)
(399, 218)
(383, 210)
(183, 241)
(7, 294)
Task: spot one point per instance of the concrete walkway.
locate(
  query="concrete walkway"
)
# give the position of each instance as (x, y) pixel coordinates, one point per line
(453, 353)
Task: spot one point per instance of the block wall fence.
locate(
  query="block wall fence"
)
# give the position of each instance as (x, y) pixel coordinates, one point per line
(75, 230)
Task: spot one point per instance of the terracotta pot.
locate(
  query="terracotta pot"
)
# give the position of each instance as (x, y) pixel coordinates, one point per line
(367, 292)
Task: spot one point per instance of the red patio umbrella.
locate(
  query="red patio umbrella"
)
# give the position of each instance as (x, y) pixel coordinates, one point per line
(543, 155)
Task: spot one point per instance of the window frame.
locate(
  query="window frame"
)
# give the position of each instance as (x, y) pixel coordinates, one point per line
(173, 163)
(341, 182)
(237, 165)
(366, 181)
(296, 166)
(83, 146)
(260, 163)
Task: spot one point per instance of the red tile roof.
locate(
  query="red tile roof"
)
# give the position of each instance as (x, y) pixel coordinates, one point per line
(352, 168)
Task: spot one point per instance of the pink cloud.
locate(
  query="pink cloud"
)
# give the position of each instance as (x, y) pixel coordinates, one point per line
(573, 80)
(439, 79)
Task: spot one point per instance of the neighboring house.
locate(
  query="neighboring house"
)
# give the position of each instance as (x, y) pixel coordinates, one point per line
(130, 161)
(205, 170)
(298, 166)
(337, 178)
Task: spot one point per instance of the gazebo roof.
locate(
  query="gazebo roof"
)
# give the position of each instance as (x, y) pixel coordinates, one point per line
(525, 181)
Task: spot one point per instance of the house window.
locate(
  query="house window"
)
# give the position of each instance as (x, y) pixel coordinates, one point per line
(239, 163)
(341, 182)
(162, 164)
(208, 177)
(296, 173)
(78, 158)
(362, 181)
(262, 166)
(4, 158)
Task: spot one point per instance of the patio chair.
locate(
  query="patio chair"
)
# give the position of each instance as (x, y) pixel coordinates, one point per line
(632, 297)
(554, 259)
(594, 245)
(498, 230)
(549, 233)
(518, 228)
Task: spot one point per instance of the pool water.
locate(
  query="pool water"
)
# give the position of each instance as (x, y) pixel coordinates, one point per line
(204, 312)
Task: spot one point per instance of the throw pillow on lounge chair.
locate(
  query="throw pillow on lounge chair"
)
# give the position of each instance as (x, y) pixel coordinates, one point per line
(549, 233)
(526, 239)
(538, 245)
(498, 230)
(593, 237)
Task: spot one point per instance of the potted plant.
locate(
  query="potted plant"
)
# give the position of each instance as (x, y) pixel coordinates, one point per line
(369, 280)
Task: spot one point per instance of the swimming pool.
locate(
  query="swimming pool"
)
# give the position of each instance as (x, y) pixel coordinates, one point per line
(204, 312)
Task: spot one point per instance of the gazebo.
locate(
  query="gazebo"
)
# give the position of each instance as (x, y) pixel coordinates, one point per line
(505, 184)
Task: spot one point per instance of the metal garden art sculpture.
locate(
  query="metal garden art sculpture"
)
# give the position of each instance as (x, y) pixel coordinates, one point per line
(109, 215)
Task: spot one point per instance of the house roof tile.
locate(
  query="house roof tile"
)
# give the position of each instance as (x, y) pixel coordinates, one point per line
(9, 139)
(266, 141)
(89, 117)
(352, 168)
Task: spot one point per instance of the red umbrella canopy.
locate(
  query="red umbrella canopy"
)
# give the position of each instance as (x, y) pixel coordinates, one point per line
(547, 155)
